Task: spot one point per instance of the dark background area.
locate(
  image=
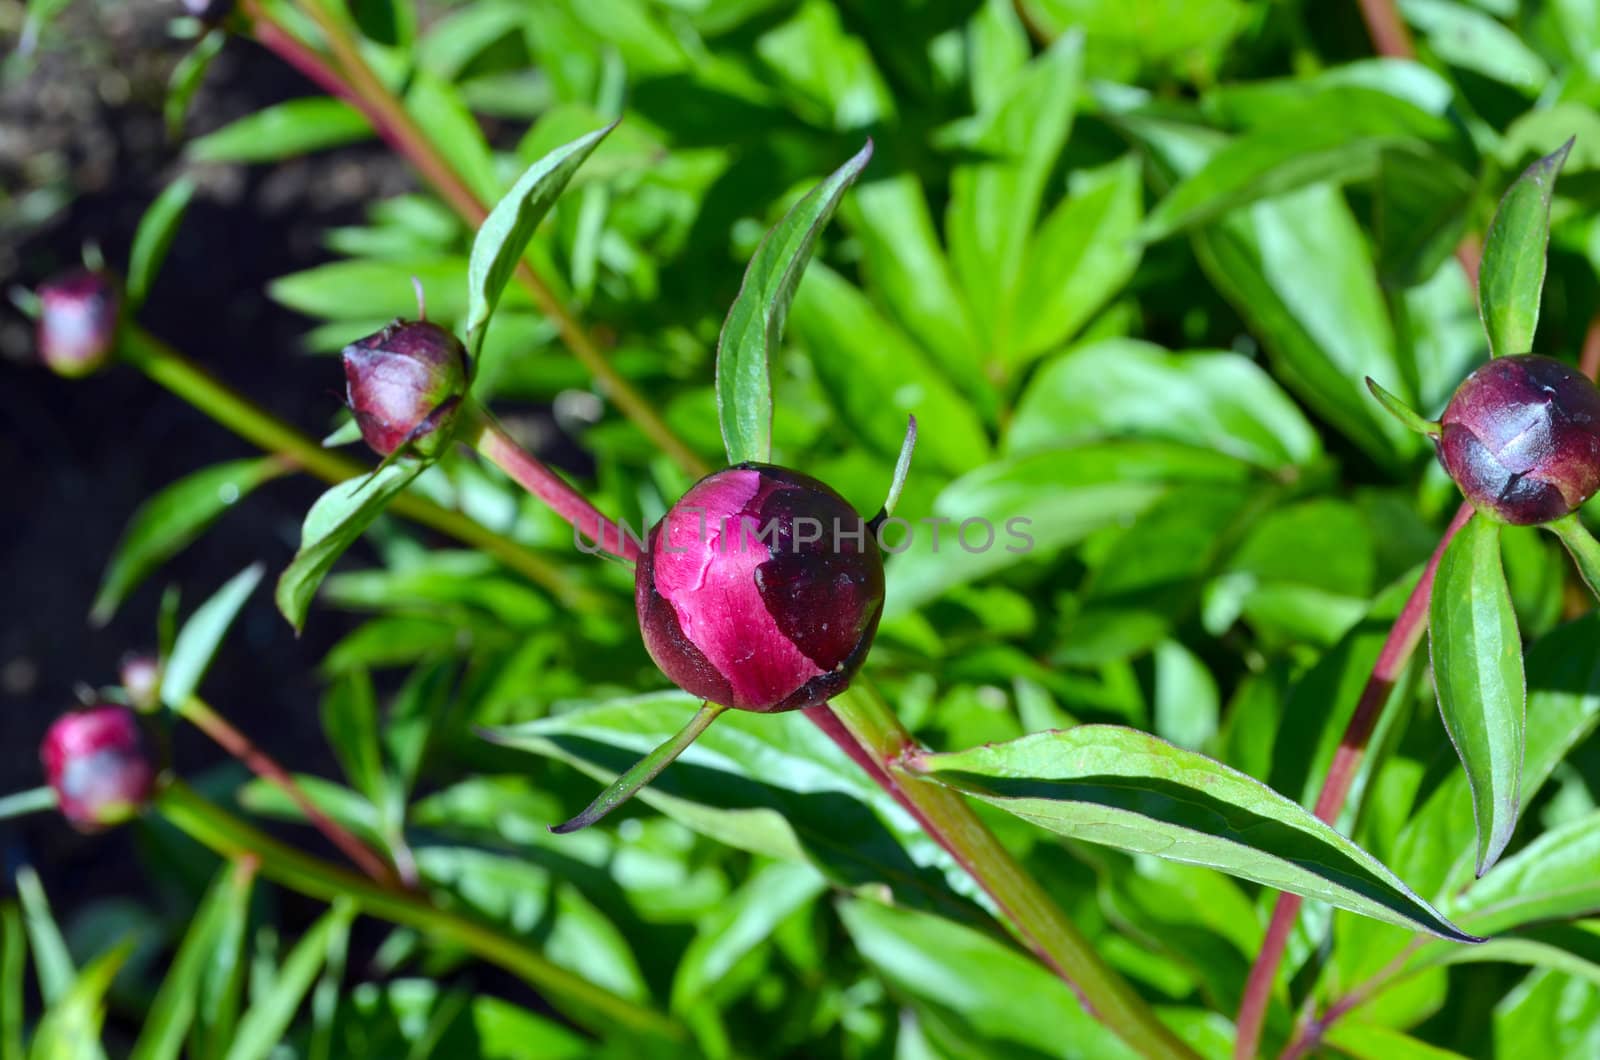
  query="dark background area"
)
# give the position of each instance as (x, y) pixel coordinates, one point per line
(83, 151)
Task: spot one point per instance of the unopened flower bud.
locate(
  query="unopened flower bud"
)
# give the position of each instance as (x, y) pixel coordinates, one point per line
(97, 762)
(405, 384)
(761, 589)
(77, 322)
(1521, 437)
(141, 680)
(210, 12)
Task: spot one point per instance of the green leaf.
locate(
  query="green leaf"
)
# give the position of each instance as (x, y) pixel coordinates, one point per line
(1368, 1041)
(445, 120)
(739, 925)
(350, 721)
(1083, 253)
(221, 914)
(1477, 668)
(754, 326)
(200, 637)
(284, 130)
(1125, 387)
(997, 193)
(70, 1029)
(156, 229)
(52, 963)
(1511, 276)
(13, 968)
(1338, 135)
(875, 376)
(1036, 505)
(503, 237)
(270, 1014)
(991, 993)
(340, 515)
(186, 78)
(1463, 36)
(169, 521)
(1556, 877)
(1128, 789)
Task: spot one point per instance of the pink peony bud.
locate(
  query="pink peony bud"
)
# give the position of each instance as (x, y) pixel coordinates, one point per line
(77, 322)
(761, 589)
(405, 384)
(97, 763)
(1521, 437)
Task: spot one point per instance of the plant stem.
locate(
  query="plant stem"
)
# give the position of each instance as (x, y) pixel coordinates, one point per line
(33, 800)
(1038, 922)
(486, 435)
(170, 369)
(361, 87)
(589, 1005)
(1402, 641)
(236, 743)
(1584, 548)
(643, 771)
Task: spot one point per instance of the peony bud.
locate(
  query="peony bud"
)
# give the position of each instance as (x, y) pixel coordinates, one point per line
(211, 12)
(77, 322)
(97, 763)
(761, 589)
(1521, 437)
(405, 384)
(141, 680)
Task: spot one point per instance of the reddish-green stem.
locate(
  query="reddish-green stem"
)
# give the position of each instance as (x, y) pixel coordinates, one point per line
(1402, 641)
(591, 528)
(351, 78)
(267, 768)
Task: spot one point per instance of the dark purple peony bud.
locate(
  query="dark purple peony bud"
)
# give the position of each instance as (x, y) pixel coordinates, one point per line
(405, 384)
(1521, 437)
(97, 763)
(761, 589)
(77, 322)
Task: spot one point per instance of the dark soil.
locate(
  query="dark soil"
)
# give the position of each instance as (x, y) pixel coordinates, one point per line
(83, 128)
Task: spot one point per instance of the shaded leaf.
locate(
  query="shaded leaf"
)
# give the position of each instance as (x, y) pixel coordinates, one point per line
(270, 1013)
(156, 229)
(284, 130)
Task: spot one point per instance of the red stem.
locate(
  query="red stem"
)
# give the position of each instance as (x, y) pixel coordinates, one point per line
(1589, 360)
(1398, 647)
(267, 768)
(591, 529)
(1387, 29)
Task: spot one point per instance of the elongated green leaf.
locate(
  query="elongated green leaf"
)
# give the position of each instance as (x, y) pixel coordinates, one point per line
(1337, 135)
(1128, 789)
(222, 912)
(451, 128)
(996, 996)
(1556, 877)
(1036, 505)
(1368, 1041)
(339, 517)
(754, 327)
(269, 1015)
(150, 242)
(996, 193)
(1083, 253)
(1511, 276)
(52, 963)
(70, 1030)
(504, 235)
(186, 78)
(200, 637)
(13, 966)
(1477, 672)
(1124, 387)
(875, 376)
(740, 925)
(166, 524)
(284, 130)
(350, 720)
(772, 785)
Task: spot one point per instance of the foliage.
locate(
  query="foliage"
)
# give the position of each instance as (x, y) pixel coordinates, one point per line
(1131, 267)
